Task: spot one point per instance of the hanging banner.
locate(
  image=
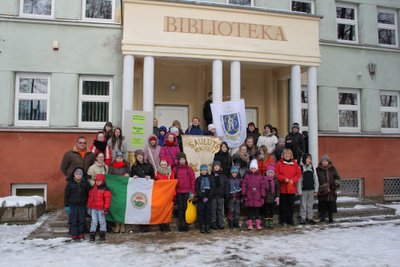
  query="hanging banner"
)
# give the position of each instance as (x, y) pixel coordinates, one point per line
(230, 121)
(200, 149)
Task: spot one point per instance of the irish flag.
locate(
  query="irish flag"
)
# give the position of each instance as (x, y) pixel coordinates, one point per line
(140, 201)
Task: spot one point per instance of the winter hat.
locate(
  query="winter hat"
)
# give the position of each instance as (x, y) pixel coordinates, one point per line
(163, 128)
(216, 162)
(100, 177)
(181, 155)
(174, 130)
(234, 169)
(164, 159)
(203, 167)
(211, 126)
(119, 154)
(254, 164)
(296, 125)
(78, 171)
(139, 152)
(325, 157)
(153, 137)
(270, 170)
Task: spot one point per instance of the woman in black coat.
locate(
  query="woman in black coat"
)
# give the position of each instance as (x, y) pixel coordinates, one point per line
(225, 158)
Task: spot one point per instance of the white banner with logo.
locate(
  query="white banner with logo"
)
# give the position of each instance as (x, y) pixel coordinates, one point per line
(230, 121)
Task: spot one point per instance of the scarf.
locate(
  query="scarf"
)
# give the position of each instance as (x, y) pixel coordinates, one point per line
(168, 143)
(204, 184)
(101, 146)
(118, 165)
(164, 170)
(270, 184)
(243, 157)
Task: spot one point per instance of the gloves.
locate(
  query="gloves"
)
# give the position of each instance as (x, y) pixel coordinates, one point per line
(205, 200)
(277, 201)
(67, 210)
(190, 195)
(105, 212)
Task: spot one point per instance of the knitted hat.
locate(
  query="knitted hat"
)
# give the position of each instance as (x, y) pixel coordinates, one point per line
(211, 126)
(163, 159)
(100, 177)
(254, 164)
(174, 130)
(119, 154)
(181, 155)
(139, 152)
(216, 162)
(78, 171)
(296, 125)
(203, 167)
(153, 137)
(163, 128)
(234, 169)
(270, 170)
(325, 157)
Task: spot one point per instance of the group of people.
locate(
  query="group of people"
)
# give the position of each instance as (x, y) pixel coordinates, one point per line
(263, 173)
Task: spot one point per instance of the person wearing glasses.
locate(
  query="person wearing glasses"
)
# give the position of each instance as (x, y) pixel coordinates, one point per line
(79, 156)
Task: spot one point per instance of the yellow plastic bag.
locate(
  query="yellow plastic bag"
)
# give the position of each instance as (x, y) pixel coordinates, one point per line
(191, 212)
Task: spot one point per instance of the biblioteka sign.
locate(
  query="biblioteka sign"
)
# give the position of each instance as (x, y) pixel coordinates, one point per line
(224, 28)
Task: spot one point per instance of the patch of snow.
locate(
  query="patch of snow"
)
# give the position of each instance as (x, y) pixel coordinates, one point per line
(359, 207)
(18, 201)
(394, 205)
(347, 199)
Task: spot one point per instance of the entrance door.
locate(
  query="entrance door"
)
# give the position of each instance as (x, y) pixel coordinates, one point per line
(251, 115)
(167, 114)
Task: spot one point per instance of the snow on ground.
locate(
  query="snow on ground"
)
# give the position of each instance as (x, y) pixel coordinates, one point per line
(360, 244)
(18, 201)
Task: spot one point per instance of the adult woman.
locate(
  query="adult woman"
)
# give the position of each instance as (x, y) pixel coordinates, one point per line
(178, 125)
(241, 160)
(152, 151)
(100, 145)
(117, 143)
(268, 139)
(288, 173)
(225, 158)
(251, 147)
(98, 167)
(328, 179)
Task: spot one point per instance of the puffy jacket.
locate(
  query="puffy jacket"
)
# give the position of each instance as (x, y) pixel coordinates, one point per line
(221, 184)
(160, 176)
(99, 198)
(186, 179)
(170, 151)
(72, 160)
(289, 170)
(269, 141)
(264, 163)
(142, 169)
(253, 189)
(76, 193)
(295, 142)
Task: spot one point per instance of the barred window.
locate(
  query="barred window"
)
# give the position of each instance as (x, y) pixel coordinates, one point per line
(346, 20)
(37, 8)
(99, 10)
(349, 110)
(389, 111)
(95, 101)
(32, 100)
(387, 27)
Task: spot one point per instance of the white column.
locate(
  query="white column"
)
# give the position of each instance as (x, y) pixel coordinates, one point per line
(127, 84)
(312, 114)
(217, 81)
(295, 95)
(148, 84)
(235, 80)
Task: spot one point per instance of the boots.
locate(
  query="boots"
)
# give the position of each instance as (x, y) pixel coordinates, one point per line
(92, 237)
(117, 228)
(258, 224)
(230, 224)
(102, 236)
(122, 228)
(322, 217)
(267, 222)
(203, 229)
(330, 217)
(249, 225)
(271, 222)
(167, 229)
(236, 224)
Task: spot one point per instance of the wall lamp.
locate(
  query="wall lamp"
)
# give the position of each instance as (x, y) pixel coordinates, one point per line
(371, 69)
(172, 87)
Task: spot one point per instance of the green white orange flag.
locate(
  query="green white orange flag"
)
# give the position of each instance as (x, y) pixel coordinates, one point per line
(140, 201)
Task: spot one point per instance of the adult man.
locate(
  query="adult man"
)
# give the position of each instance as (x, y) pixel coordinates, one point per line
(156, 130)
(295, 141)
(78, 156)
(207, 110)
(194, 127)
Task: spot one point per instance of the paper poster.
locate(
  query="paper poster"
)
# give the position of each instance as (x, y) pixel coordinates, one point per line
(138, 126)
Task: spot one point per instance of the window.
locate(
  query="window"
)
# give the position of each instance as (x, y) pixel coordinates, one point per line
(99, 10)
(346, 19)
(304, 107)
(32, 100)
(349, 110)
(305, 6)
(29, 190)
(37, 8)
(95, 100)
(387, 27)
(240, 2)
(389, 111)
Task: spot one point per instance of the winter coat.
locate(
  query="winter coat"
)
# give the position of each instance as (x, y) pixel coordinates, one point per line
(170, 151)
(234, 192)
(308, 179)
(186, 179)
(152, 154)
(221, 184)
(119, 168)
(226, 161)
(270, 194)
(207, 114)
(99, 198)
(160, 176)
(156, 131)
(278, 152)
(289, 170)
(194, 130)
(142, 170)
(295, 142)
(263, 164)
(241, 164)
(76, 194)
(329, 178)
(72, 160)
(255, 134)
(253, 189)
(208, 193)
(107, 152)
(269, 141)
(96, 168)
(124, 148)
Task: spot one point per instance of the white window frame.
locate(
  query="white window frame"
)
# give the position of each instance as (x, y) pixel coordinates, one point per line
(312, 2)
(388, 26)
(25, 96)
(347, 22)
(304, 106)
(351, 108)
(390, 109)
(251, 3)
(14, 188)
(84, 18)
(36, 16)
(92, 98)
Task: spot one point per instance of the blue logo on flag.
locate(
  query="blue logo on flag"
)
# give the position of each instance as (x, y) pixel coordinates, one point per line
(231, 123)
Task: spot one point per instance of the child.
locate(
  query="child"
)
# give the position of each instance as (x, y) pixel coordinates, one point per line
(218, 199)
(152, 151)
(224, 157)
(234, 197)
(75, 198)
(100, 145)
(99, 202)
(264, 159)
(271, 196)
(307, 188)
(253, 192)
(185, 188)
(163, 131)
(164, 172)
(170, 149)
(205, 187)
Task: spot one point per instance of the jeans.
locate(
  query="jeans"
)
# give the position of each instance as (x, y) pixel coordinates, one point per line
(234, 208)
(98, 217)
(306, 204)
(217, 211)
